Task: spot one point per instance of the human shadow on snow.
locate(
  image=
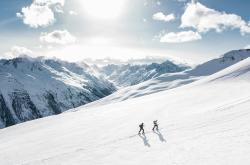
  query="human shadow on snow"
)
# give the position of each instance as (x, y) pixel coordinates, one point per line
(145, 140)
(162, 139)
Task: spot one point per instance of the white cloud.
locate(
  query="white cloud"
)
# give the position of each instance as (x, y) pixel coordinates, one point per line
(17, 51)
(205, 19)
(41, 12)
(58, 37)
(49, 2)
(36, 16)
(55, 5)
(180, 37)
(162, 17)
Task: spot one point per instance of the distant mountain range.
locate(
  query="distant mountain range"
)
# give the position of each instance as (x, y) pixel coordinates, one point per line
(168, 81)
(32, 88)
(128, 75)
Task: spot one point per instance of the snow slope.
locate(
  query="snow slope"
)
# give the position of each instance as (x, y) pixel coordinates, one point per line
(33, 88)
(203, 123)
(172, 80)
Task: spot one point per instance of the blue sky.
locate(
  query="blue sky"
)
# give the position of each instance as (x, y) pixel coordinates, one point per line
(76, 29)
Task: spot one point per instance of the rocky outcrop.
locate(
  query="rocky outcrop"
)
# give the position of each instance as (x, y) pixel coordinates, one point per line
(6, 118)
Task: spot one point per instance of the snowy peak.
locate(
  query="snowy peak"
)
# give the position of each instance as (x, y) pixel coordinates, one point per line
(223, 62)
(127, 75)
(173, 80)
(31, 88)
(237, 72)
(236, 55)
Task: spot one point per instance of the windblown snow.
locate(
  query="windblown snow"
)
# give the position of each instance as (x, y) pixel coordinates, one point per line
(205, 122)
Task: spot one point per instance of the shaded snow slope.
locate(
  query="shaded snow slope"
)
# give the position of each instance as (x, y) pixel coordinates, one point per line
(203, 123)
(173, 80)
(34, 88)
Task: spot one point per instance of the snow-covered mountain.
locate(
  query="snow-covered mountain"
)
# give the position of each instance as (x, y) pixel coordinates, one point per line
(132, 74)
(173, 80)
(34, 88)
(205, 122)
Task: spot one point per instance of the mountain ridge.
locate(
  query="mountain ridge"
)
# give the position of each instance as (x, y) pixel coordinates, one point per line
(172, 80)
(33, 88)
(132, 74)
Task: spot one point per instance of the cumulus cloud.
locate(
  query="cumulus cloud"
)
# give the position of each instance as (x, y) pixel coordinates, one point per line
(50, 2)
(58, 37)
(17, 51)
(162, 17)
(180, 37)
(40, 13)
(36, 16)
(204, 19)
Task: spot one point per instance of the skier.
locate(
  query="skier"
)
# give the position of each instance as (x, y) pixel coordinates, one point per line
(155, 125)
(141, 128)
